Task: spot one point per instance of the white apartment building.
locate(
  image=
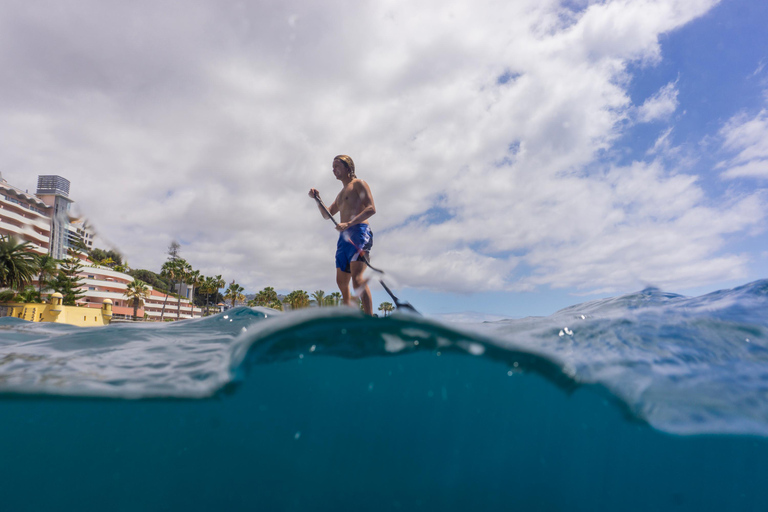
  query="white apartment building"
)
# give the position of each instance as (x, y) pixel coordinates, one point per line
(175, 308)
(25, 217)
(99, 283)
(44, 221)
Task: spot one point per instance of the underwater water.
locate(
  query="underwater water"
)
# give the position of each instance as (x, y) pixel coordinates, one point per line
(648, 401)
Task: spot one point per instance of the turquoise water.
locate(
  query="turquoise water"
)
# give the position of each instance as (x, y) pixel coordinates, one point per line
(649, 401)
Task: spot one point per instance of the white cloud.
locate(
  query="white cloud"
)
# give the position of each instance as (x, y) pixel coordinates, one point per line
(659, 106)
(749, 138)
(209, 124)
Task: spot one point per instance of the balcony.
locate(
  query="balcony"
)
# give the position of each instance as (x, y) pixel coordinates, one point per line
(103, 283)
(42, 210)
(156, 315)
(24, 232)
(100, 272)
(43, 223)
(101, 295)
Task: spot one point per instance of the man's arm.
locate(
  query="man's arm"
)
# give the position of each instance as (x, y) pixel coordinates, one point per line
(334, 209)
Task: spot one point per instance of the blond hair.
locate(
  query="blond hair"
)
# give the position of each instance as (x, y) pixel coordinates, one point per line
(347, 161)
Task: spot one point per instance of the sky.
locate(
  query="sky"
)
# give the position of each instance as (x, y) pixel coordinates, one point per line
(523, 155)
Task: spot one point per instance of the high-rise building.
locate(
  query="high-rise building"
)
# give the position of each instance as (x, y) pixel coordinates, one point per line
(49, 184)
(54, 191)
(25, 217)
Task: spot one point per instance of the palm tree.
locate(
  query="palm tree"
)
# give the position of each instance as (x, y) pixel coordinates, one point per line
(266, 297)
(173, 270)
(138, 291)
(219, 283)
(47, 267)
(207, 287)
(318, 296)
(297, 299)
(18, 263)
(336, 297)
(194, 279)
(30, 295)
(235, 293)
(184, 270)
(106, 262)
(386, 307)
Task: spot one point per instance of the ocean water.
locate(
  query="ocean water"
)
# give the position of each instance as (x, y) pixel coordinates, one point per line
(648, 401)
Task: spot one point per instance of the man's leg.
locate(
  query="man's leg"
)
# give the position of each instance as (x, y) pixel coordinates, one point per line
(361, 285)
(342, 280)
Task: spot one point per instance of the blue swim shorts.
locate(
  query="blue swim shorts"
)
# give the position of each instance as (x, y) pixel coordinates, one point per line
(351, 241)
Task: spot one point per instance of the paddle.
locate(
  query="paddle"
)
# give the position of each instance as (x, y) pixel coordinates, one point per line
(398, 303)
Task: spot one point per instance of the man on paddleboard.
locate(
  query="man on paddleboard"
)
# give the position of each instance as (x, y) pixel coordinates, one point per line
(355, 204)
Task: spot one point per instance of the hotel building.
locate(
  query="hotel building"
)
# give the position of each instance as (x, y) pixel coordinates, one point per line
(99, 283)
(54, 191)
(44, 221)
(180, 308)
(25, 217)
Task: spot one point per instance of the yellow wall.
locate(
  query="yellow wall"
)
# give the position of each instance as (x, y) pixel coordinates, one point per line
(73, 315)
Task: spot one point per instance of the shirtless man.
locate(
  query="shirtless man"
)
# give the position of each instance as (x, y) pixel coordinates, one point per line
(355, 203)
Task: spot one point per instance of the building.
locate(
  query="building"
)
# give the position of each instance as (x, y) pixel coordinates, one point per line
(54, 191)
(25, 217)
(175, 308)
(54, 311)
(83, 232)
(99, 283)
(45, 221)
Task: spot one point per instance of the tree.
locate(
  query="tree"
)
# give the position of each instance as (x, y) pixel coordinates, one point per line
(67, 281)
(110, 258)
(194, 279)
(318, 297)
(173, 250)
(150, 278)
(210, 286)
(138, 292)
(30, 295)
(173, 270)
(107, 262)
(297, 299)
(207, 287)
(235, 293)
(219, 284)
(47, 266)
(18, 263)
(267, 298)
(386, 307)
(184, 270)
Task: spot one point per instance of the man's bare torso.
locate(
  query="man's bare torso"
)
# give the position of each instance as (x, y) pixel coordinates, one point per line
(351, 200)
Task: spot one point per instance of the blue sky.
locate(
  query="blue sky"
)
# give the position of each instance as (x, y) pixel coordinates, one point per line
(523, 156)
(718, 64)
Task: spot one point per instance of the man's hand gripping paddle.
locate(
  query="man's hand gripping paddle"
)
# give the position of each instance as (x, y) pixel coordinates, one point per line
(398, 303)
